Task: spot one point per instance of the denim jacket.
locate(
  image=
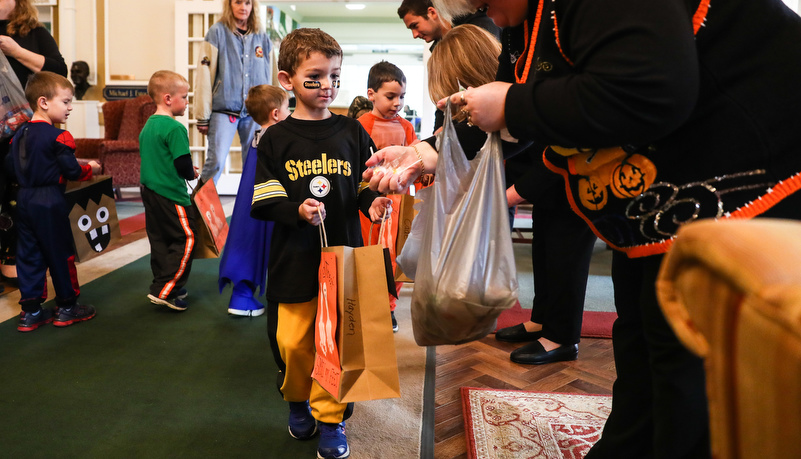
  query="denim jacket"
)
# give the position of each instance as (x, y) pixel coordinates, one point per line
(229, 65)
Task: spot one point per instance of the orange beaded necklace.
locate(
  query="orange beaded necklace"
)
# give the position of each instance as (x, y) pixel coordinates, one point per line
(531, 43)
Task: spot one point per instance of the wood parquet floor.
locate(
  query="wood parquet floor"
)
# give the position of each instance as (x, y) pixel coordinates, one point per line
(486, 363)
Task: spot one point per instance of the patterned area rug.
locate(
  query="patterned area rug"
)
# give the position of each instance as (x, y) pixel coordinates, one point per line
(507, 424)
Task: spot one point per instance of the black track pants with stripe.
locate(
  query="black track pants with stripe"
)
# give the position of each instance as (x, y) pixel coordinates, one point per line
(171, 232)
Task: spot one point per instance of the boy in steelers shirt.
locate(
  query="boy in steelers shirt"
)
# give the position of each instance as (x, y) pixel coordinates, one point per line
(310, 167)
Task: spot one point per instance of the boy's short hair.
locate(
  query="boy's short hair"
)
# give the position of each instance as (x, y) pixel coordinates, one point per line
(384, 72)
(300, 43)
(45, 84)
(164, 82)
(262, 100)
(416, 7)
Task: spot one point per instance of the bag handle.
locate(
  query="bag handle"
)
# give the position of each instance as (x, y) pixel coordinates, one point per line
(380, 229)
(199, 183)
(323, 236)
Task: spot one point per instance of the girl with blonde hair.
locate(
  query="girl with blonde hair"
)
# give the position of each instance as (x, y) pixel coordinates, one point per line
(466, 56)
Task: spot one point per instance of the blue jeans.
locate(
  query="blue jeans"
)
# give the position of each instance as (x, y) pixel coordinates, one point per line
(220, 136)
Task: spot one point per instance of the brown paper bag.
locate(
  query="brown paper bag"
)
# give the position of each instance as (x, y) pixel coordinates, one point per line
(405, 217)
(212, 227)
(365, 342)
(93, 216)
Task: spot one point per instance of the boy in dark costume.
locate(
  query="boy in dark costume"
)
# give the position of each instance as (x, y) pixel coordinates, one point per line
(43, 159)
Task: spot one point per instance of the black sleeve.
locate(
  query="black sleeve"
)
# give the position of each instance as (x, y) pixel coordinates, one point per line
(48, 48)
(634, 79)
(439, 119)
(537, 184)
(183, 164)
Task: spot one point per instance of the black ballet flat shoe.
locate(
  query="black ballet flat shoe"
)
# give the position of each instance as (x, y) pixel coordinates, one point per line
(535, 354)
(517, 334)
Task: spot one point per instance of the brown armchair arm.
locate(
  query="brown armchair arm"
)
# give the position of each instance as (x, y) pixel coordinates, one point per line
(88, 148)
(112, 147)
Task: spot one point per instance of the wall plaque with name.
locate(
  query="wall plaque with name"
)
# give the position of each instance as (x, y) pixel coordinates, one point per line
(123, 92)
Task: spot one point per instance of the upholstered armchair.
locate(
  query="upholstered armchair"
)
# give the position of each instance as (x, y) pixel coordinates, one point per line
(118, 151)
(731, 290)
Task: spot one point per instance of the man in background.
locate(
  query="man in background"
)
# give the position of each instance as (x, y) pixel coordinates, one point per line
(425, 22)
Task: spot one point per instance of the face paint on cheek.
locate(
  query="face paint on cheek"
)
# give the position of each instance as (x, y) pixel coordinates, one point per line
(312, 84)
(335, 84)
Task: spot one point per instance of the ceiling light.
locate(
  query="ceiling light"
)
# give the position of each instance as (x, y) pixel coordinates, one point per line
(292, 7)
(355, 6)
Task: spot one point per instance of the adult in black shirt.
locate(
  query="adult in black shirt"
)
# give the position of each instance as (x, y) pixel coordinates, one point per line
(28, 46)
(663, 91)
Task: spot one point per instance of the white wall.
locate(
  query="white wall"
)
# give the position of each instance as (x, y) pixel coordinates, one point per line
(141, 37)
(78, 33)
(795, 5)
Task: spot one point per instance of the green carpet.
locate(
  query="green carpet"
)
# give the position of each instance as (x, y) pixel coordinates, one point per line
(141, 380)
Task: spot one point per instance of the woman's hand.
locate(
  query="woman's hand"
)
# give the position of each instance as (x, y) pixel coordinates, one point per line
(203, 129)
(308, 211)
(394, 169)
(484, 105)
(9, 46)
(32, 61)
(381, 206)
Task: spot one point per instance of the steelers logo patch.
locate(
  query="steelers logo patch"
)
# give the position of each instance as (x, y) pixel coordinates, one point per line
(320, 186)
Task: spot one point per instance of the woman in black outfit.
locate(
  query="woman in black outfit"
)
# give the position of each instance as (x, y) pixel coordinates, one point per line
(657, 114)
(561, 245)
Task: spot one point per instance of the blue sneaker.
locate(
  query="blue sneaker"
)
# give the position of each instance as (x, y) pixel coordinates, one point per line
(302, 426)
(29, 322)
(77, 313)
(333, 442)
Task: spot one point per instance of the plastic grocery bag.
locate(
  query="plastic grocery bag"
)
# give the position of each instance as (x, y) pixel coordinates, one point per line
(465, 273)
(14, 108)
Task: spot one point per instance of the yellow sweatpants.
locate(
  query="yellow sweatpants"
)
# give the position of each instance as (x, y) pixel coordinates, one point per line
(295, 336)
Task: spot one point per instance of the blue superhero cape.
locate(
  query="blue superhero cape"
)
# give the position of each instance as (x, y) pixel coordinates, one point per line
(247, 249)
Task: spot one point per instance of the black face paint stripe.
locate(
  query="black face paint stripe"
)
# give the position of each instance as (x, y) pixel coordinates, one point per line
(317, 85)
